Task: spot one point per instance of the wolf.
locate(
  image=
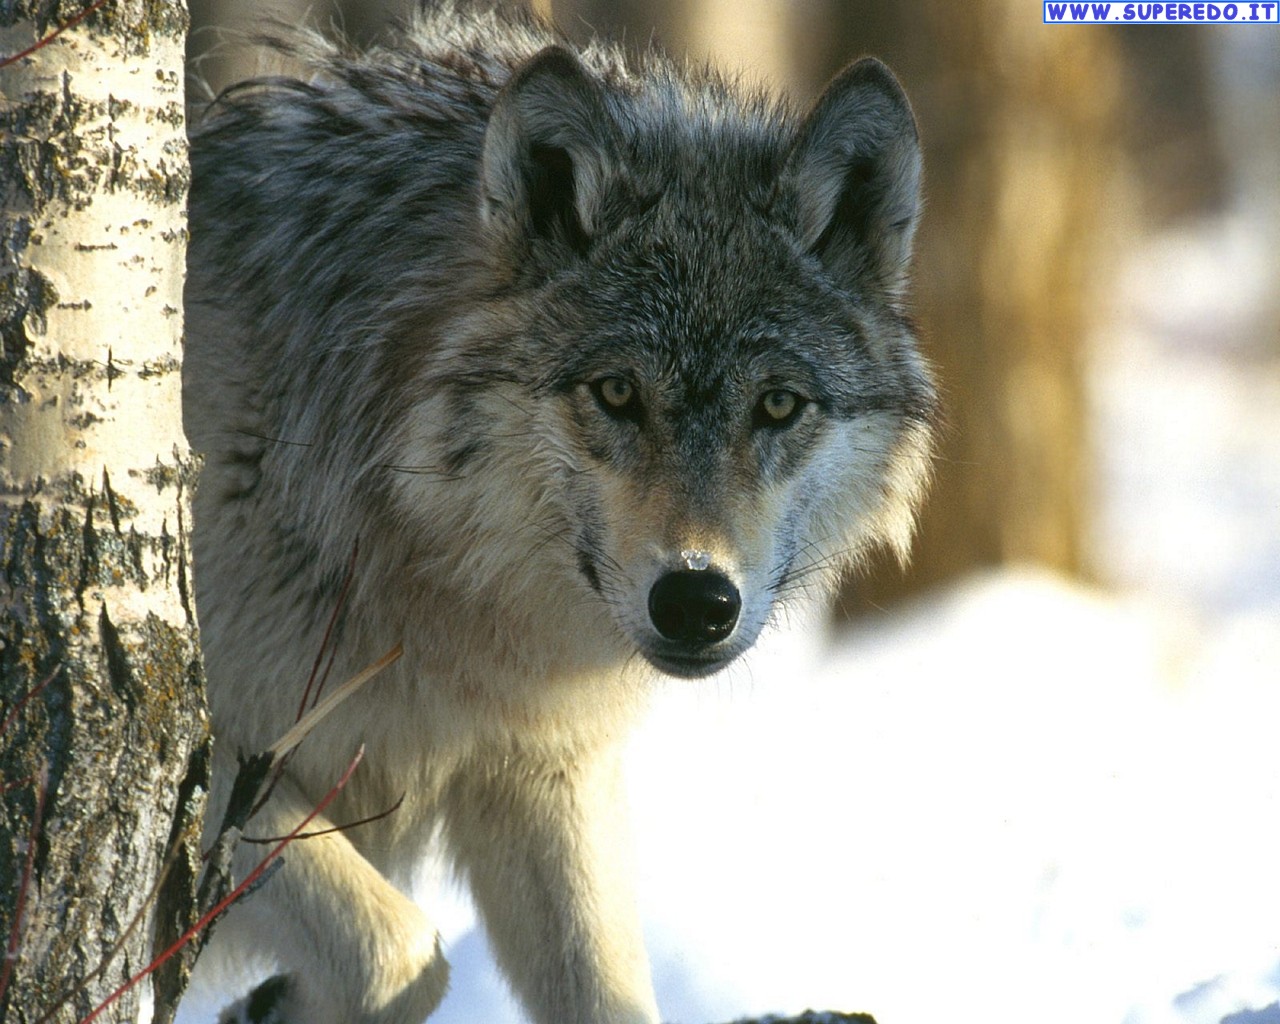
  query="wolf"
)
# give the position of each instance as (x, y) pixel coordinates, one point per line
(598, 361)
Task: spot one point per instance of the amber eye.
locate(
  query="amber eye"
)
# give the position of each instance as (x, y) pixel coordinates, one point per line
(778, 408)
(616, 392)
(617, 397)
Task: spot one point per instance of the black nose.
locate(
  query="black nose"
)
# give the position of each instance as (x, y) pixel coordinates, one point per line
(694, 607)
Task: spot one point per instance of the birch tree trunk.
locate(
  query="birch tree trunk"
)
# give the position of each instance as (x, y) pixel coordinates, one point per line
(103, 766)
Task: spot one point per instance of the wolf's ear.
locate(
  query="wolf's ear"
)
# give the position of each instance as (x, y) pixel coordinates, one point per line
(854, 172)
(551, 149)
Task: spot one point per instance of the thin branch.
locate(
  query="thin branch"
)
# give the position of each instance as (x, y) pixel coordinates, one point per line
(216, 881)
(322, 710)
(24, 885)
(22, 701)
(17, 784)
(336, 828)
(53, 35)
(242, 802)
(328, 633)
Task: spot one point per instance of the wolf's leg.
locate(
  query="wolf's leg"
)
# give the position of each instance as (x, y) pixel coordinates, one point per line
(353, 948)
(544, 844)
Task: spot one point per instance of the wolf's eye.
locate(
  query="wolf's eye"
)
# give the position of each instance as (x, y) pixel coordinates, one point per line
(617, 397)
(778, 408)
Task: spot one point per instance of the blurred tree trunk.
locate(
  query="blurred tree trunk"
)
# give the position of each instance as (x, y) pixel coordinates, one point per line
(221, 49)
(103, 765)
(753, 36)
(1169, 121)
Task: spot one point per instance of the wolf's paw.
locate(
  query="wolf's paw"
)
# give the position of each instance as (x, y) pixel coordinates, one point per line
(294, 999)
(266, 1004)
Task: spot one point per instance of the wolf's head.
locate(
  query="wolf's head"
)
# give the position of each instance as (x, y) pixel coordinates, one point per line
(691, 389)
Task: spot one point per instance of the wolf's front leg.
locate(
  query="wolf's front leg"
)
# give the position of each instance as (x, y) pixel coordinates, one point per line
(353, 948)
(544, 842)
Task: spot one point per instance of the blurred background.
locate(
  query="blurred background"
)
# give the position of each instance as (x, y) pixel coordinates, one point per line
(1037, 775)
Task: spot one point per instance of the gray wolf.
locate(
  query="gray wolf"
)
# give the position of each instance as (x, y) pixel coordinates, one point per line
(602, 360)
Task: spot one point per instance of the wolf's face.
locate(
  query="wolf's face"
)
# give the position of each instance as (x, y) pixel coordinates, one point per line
(730, 421)
(695, 374)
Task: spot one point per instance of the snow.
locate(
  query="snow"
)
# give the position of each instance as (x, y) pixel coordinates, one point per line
(996, 796)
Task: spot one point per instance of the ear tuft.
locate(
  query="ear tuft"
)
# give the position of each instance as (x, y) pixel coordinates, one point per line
(854, 172)
(551, 149)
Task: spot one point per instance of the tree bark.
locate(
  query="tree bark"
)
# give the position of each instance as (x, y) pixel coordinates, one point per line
(104, 765)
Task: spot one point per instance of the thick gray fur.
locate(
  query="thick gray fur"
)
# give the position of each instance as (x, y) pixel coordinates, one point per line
(538, 327)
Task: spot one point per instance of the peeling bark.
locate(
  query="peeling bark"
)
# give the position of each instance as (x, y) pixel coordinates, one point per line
(109, 758)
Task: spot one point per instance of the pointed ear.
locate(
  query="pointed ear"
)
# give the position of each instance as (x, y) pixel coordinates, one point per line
(854, 172)
(551, 149)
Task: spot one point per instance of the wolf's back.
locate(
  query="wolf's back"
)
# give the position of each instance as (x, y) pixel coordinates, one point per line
(315, 209)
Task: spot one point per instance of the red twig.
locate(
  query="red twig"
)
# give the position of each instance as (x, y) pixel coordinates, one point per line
(336, 828)
(24, 884)
(282, 761)
(20, 902)
(22, 702)
(53, 35)
(324, 676)
(328, 633)
(17, 784)
(235, 893)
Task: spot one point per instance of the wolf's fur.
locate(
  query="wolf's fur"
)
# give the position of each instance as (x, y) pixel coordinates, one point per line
(418, 278)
